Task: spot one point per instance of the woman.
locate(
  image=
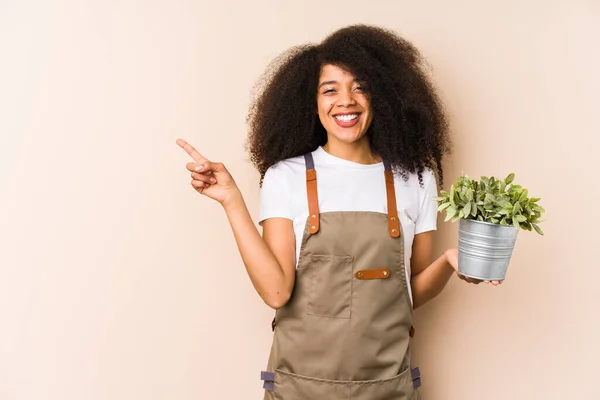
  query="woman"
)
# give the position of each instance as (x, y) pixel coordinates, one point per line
(348, 136)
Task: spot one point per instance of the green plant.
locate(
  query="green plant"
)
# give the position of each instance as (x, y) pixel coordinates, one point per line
(498, 201)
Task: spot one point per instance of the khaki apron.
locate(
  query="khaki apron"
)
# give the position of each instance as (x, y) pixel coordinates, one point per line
(345, 332)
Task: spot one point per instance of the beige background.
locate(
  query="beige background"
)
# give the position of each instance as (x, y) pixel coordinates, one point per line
(117, 281)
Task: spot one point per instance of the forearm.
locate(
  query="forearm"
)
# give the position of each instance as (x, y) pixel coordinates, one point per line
(263, 268)
(431, 281)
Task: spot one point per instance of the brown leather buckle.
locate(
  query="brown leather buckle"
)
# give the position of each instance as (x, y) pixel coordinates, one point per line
(313, 200)
(393, 223)
(377, 273)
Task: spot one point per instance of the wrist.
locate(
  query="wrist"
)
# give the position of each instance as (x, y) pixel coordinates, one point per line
(446, 260)
(450, 258)
(232, 200)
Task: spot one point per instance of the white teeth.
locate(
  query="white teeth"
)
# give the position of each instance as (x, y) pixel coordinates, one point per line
(346, 118)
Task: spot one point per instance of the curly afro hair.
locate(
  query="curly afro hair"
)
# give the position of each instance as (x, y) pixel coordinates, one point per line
(409, 127)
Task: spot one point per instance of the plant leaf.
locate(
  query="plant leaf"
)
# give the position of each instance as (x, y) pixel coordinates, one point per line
(443, 206)
(502, 186)
(520, 218)
(510, 178)
(470, 194)
(515, 188)
(450, 213)
(538, 229)
(467, 209)
(517, 208)
(523, 195)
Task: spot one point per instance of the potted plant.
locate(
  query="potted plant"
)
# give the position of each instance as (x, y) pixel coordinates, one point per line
(490, 212)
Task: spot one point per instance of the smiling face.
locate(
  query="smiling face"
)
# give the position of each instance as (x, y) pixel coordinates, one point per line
(343, 105)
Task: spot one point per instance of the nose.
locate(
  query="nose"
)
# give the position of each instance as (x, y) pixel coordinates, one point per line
(346, 98)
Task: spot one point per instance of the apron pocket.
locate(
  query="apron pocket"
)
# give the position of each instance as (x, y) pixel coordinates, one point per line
(399, 387)
(330, 289)
(290, 386)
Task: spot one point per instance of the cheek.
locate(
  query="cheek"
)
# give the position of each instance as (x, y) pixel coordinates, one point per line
(369, 121)
(369, 118)
(365, 103)
(323, 107)
(367, 106)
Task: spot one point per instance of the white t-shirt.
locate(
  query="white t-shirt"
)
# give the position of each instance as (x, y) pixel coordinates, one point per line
(344, 185)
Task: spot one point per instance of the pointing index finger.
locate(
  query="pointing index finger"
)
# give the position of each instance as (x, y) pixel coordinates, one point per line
(190, 150)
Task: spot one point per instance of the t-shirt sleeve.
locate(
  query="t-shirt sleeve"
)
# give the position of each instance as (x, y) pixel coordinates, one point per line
(275, 200)
(427, 220)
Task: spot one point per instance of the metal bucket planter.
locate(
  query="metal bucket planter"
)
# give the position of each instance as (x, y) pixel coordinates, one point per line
(484, 249)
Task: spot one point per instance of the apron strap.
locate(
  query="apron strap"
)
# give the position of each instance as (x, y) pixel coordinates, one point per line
(393, 223)
(311, 191)
(313, 197)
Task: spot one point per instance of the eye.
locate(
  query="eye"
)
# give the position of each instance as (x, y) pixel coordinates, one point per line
(328, 91)
(361, 89)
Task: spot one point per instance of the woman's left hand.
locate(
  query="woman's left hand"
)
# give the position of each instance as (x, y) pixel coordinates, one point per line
(452, 257)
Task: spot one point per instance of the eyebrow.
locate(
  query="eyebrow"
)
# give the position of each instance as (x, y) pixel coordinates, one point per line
(335, 82)
(327, 83)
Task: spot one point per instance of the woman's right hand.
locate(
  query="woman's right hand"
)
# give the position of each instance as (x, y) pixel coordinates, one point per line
(209, 178)
(452, 257)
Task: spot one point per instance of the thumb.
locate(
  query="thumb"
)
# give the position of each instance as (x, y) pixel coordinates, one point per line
(218, 168)
(208, 166)
(219, 171)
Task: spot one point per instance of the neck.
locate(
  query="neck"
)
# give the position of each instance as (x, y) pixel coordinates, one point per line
(359, 152)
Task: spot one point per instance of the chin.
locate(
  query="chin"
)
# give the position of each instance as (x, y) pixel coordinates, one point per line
(347, 137)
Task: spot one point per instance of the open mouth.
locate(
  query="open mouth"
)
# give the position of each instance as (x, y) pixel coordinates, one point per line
(347, 120)
(346, 117)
